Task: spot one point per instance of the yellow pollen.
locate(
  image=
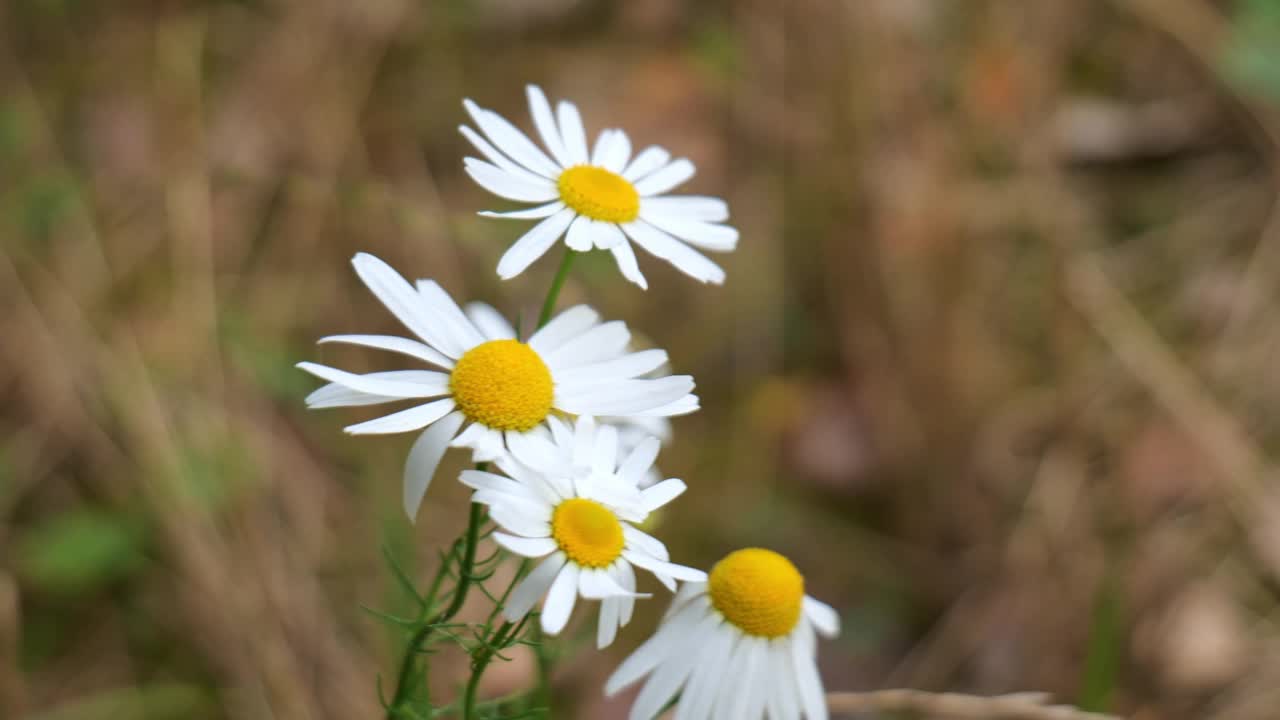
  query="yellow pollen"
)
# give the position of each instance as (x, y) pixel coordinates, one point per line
(587, 532)
(502, 384)
(759, 591)
(599, 194)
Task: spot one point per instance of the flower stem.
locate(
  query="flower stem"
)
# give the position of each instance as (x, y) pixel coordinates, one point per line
(479, 662)
(549, 305)
(405, 681)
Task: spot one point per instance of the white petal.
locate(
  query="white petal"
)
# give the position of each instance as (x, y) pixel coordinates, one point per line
(622, 368)
(482, 480)
(786, 694)
(424, 458)
(537, 453)
(662, 493)
(808, 683)
(656, 566)
(675, 671)
(511, 141)
(607, 625)
(534, 244)
(644, 542)
(625, 397)
(602, 342)
(404, 346)
(756, 677)
(681, 406)
(604, 454)
(656, 650)
(642, 457)
(612, 151)
(560, 600)
(398, 296)
(572, 132)
(337, 395)
(415, 418)
(626, 577)
(684, 258)
(490, 322)
(533, 213)
(514, 518)
(625, 257)
(527, 547)
(504, 184)
(425, 386)
(579, 235)
(727, 699)
(708, 236)
(690, 207)
(503, 162)
(461, 331)
(545, 122)
(584, 433)
(699, 693)
(608, 236)
(534, 586)
(596, 584)
(562, 328)
(824, 617)
(649, 160)
(666, 178)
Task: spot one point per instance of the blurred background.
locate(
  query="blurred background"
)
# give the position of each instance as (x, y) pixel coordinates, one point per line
(995, 361)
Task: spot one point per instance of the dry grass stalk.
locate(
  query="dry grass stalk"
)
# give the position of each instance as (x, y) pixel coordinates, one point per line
(1017, 706)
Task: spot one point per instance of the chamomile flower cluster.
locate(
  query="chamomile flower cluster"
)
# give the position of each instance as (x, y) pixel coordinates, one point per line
(566, 420)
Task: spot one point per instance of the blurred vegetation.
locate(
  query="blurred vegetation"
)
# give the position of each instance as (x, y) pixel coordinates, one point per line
(994, 363)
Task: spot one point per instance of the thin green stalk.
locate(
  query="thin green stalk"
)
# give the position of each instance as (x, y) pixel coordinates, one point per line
(553, 294)
(408, 663)
(484, 654)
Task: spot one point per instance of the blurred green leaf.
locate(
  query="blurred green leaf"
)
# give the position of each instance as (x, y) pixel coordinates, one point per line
(155, 702)
(80, 550)
(1250, 58)
(1106, 645)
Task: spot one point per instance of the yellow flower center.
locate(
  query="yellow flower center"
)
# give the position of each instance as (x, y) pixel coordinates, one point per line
(502, 384)
(587, 532)
(599, 194)
(759, 591)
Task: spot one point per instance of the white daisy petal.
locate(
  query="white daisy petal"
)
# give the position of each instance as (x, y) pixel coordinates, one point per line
(699, 694)
(511, 141)
(397, 295)
(607, 236)
(662, 493)
(460, 328)
(612, 151)
(644, 542)
(626, 578)
(688, 207)
(656, 566)
(665, 179)
(489, 321)
(673, 673)
(600, 342)
(808, 684)
(527, 547)
(562, 328)
(415, 418)
(579, 235)
(545, 122)
(708, 236)
(685, 258)
(607, 627)
(404, 346)
(424, 458)
(785, 692)
(534, 213)
(534, 586)
(654, 650)
(681, 406)
(560, 600)
(625, 397)
(504, 184)
(534, 244)
(727, 702)
(604, 451)
(649, 160)
(824, 617)
(626, 367)
(640, 459)
(625, 257)
(337, 395)
(482, 480)
(503, 162)
(572, 132)
(511, 519)
(426, 386)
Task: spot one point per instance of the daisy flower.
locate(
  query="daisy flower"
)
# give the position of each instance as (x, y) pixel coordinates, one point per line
(570, 497)
(497, 385)
(604, 198)
(739, 646)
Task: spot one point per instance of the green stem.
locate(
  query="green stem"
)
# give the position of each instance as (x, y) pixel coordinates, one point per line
(553, 294)
(408, 664)
(483, 656)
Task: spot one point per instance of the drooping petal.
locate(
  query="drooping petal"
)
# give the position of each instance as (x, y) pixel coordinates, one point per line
(424, 458)
(683, 257)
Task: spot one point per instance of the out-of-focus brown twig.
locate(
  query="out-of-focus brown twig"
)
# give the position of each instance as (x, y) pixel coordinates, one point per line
(1018, 706)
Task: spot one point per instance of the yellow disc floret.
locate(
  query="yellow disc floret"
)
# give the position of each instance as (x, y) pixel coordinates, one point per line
(758, 591)
(587, 532)
(599, 194)
(502, 384)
